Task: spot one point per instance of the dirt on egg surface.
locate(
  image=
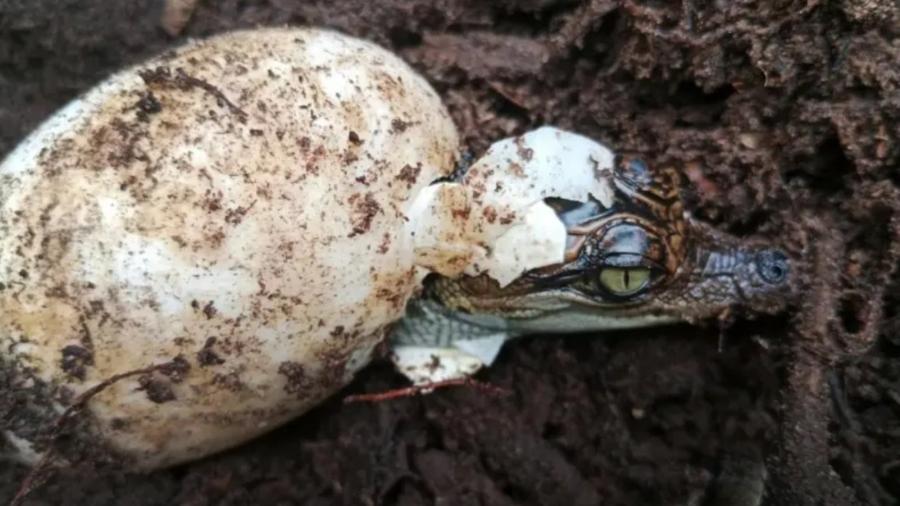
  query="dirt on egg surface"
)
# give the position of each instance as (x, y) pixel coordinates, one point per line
(783, 115)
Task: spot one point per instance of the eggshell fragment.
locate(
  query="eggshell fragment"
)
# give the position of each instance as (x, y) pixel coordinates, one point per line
(495, 220)
(237, 208)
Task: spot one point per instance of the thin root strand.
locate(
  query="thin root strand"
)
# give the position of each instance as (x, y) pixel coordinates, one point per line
(427, 388)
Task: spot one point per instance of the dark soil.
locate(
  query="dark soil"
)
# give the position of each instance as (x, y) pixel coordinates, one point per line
(785, 114)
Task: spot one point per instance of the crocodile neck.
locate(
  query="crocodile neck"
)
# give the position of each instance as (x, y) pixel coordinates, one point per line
(429, 323)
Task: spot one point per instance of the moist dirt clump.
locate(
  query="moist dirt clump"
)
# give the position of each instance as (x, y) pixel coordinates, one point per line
(785, 117)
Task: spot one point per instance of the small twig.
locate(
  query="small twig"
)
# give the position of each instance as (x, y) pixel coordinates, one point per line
(189, 80)
(508, 95)
(163, 76)
(841, 404)
(580, 23)
(725, 320)
(42, 471)
(414, 390)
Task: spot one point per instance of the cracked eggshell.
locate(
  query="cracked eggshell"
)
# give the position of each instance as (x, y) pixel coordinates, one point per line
(495, 220)
(238, 204)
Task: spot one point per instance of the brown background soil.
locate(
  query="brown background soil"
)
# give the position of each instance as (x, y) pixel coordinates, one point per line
(784, 114)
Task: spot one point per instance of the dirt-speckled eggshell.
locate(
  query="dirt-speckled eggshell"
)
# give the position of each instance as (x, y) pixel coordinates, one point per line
(499, 203)
(238, 204)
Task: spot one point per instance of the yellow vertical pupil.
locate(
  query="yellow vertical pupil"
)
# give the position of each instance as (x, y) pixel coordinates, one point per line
(624, 280)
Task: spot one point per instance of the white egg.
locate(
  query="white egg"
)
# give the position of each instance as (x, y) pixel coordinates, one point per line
(237, 208)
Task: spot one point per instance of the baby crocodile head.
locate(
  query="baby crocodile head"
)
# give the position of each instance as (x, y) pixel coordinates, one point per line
(641, 261)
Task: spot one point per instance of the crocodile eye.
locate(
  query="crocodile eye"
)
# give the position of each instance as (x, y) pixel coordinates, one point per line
(624, 281)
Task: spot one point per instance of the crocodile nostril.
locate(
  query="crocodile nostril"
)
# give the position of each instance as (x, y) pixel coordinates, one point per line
(772, 265)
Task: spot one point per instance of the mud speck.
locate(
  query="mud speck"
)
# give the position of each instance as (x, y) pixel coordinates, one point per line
(365, 207)
(147, 105)
(207, 356)
(209, 310)
(296, 380)
(409, 174)
(75, 360)
(158, 390)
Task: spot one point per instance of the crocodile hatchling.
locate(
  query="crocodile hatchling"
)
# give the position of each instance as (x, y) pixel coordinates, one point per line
(636, 259)
(206, 245)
